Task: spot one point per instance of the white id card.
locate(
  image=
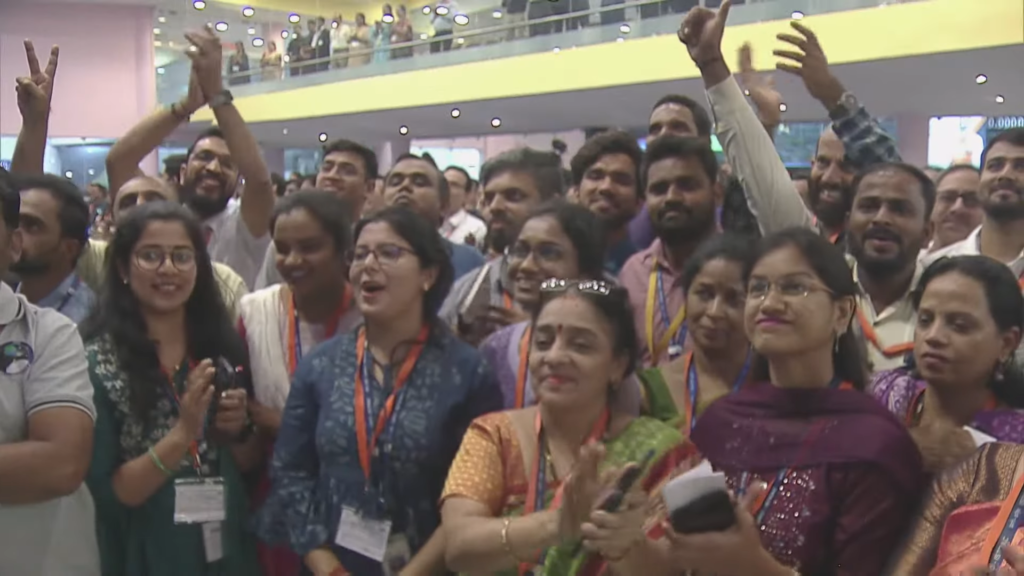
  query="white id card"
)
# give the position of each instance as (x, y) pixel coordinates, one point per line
(199, 500)
(213, 541)
(674, 351)
(363, 535)
(397, 555)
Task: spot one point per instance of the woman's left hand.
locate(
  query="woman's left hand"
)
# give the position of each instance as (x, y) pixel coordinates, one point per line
(231, 412)
(613, 534)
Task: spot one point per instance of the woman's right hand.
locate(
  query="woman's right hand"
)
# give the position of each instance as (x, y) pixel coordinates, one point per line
(195, 402)
(580, 492)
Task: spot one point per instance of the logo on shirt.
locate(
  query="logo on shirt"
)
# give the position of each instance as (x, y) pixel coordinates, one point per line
(15, 357)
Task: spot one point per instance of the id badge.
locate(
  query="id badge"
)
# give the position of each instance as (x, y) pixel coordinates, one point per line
(362, 534)
(674, 351)
(199, 500)
(397, 555)
(213, 541)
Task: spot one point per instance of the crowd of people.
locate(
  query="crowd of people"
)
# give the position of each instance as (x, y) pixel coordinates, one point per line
(424, 374)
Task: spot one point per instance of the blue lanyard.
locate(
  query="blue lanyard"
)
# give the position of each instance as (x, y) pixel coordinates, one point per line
(680, 336)
(298, 339)
(380, 454)
(1013, 522)
(691, 384)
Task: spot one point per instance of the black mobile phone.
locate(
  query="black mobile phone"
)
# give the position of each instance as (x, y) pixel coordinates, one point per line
(711, 512)
(629, 477)
(225, 376)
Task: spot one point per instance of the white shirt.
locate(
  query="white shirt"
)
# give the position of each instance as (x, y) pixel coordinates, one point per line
(231, 243)
(340, 36)
(462, 224)
(971, 246)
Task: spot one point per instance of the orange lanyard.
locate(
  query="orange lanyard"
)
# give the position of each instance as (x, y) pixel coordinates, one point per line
(524, 359)
(670, 330)
(193, 448)
(295, 338)
(506, 300)
(538, 484)
(869, 334)
(368, 446)
(1003, 529)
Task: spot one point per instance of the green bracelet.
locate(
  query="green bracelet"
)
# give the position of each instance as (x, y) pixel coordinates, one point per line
(158, 463)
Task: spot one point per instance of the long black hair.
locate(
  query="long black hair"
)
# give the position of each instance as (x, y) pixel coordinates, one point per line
(209, 330)
(829, 264)
(1005, 305)
(584, 229)
(728, 246)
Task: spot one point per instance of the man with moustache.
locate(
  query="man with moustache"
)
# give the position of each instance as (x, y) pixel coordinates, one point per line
(958, 210)
(606, 174)
(218, 160)
(514, 183)
(681, 192)
(459, 225)
(349, 170)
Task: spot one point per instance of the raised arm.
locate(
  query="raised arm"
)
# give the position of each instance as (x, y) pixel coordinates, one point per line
(125, 155)
(259, 198)
(34, 94)
(770, 192)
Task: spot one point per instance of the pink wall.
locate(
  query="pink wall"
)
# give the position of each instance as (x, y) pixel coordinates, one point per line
(105, 82)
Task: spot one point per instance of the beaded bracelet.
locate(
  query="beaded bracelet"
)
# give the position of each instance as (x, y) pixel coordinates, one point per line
(158, 463)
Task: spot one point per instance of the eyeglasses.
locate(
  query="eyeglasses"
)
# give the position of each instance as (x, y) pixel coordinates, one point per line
(385, 254)
(589, 286)
(151, 259)
(544, 251)
(791, 288)
(970, 199)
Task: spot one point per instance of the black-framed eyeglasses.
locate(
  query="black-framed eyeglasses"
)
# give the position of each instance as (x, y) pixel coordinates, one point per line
(385, 254)
(589, 286)
(151, 259)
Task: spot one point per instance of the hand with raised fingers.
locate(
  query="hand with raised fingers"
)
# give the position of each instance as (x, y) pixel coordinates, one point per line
(808, 62)
(207, 60)
(35, 91)
(761, 89)
(701, 31)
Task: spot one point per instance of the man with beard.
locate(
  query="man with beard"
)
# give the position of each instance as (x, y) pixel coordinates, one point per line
(349, 170)
(514, 184)
(958, 210)
(416, 182)
(237, 232)
(829, 189)
(1001, 234)
(54, 223)
(606, 174)
(681, 191)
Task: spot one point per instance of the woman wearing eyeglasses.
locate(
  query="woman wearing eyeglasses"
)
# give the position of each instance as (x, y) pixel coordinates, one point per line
(525, 491)
(374, 416)
(559, 240)
(840, 474)
(311, 234)
(170, 376)
(720, 360)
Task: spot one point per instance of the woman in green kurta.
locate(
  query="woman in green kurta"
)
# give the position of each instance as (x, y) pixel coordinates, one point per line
(152, 347)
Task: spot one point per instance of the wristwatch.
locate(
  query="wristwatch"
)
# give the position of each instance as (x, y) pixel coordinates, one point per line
(222, 99)
(847, 105)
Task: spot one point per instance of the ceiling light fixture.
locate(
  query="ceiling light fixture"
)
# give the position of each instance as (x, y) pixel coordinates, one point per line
(783, 107)
(495, 122)
(199, 4)
(426, 10)
(334, 24)
(284, 33)
(625, 29)
(294, 18)
(221, 26)
(797, 15)
(424, 36)
(156, 31)
(980, 79)
(620, 39)
(461, 19)
(456, 112)
(322, 137)
(1000, 99)
(248, 11)
(497, 14)
(252, 31)
(285, 131)
(69, 174)
(162, 19)
(403, 130)
(442, 10)
(157, 43)
(161, 70)
(460, 41)
(258, 42)
(388, 18)
(556, 50)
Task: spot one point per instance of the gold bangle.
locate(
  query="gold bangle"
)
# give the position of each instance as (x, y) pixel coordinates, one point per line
(506, 522)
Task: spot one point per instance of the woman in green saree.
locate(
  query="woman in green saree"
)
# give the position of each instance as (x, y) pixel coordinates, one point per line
(168, 455)
(719, 362)
(526, 487)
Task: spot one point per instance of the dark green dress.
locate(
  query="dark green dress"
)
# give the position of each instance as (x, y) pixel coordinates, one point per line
(145, 541)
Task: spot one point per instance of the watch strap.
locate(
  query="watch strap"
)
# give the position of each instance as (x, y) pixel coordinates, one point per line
(222, 99)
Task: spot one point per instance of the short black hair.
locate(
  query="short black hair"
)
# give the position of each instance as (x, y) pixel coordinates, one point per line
(333, 214)
(1014, 136)
(671, 146)
(369, 156)
(213, 132)
(461, 170)
(279, 184)
(927, 186)
(584, 229)
(173, 164)
(613, 142)
(10, 201)
(73, 214)
(100, 186)
(545, 168)
(700, 115)
(954, 169)
(443, 191)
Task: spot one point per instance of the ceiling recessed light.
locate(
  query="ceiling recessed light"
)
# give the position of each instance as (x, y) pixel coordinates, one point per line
(334, 24)
(403, 130)
(426, 10)
(248, 11)
(495, 122)
(797, 15)
(424, 36)
(783, 107)
(322, 137)
(294, 18)
(92, 172)
(199, 4)
(442, 10)
(625, 29)
(980, 79)
(461, 19)
(284, 33)
(221, 26)
(497, 14)
(286, 58)
(252, 31)
(285, 131)
(161, 70)
(620, 39)
(556, 49)
(1000, 99)
(162, 19)
(258, 42)
(69, 174)
(456, 112)
(157, 43)
(156, 31)
(388, 18)
(460, 40)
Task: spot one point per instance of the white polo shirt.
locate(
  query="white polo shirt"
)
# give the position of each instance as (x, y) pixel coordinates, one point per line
(42, 366)
(462, 224)
(230, 243)
(971, 246)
